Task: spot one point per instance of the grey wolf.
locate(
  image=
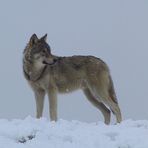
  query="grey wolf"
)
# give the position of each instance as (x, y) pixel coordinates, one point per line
(50, 74)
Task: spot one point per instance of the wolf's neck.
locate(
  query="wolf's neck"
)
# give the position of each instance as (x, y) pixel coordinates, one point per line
(31, 72)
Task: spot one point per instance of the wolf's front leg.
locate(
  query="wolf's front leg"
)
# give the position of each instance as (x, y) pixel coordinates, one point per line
(52, 96)
(39, 97)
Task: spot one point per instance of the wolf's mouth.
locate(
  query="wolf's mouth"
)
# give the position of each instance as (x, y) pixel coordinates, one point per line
(53, 62)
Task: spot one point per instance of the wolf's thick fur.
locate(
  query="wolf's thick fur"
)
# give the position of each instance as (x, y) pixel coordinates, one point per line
(50, 74)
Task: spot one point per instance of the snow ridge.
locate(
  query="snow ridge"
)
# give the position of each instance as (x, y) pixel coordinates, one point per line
(40, 133)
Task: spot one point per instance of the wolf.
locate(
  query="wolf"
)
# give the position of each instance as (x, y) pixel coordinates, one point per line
(50, 74)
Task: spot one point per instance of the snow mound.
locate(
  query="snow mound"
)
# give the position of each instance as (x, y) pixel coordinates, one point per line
(40, 133)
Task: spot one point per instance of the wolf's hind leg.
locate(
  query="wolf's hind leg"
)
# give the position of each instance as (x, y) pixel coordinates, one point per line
(39, 97)
(110, 102)
(116, 110)
(105, 111)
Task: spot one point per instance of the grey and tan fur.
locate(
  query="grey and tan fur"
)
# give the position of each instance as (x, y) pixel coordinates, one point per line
(50, 74)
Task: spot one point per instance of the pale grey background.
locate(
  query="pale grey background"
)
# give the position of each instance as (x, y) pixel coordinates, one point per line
(114, 30)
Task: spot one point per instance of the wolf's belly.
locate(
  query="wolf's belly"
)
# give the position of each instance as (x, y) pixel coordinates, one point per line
(67, 87)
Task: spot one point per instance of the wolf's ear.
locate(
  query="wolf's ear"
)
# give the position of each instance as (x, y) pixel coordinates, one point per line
(44, 38)
(33, 40)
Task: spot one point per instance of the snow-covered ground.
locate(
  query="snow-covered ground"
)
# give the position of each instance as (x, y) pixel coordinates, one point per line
(33, 133)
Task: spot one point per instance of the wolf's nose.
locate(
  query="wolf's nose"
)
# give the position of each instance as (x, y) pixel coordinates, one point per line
(54, 60)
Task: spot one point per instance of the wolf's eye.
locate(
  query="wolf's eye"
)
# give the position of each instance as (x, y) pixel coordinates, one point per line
(43, 51)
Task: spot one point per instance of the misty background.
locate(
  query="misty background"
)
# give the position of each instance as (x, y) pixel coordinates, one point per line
(113, 30)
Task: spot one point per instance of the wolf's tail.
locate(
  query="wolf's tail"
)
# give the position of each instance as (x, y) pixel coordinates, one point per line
(112, 92)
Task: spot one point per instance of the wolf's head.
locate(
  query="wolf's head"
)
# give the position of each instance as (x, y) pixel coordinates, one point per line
(38, 52)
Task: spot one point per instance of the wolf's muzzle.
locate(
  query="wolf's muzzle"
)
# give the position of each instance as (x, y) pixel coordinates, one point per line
(52, 63)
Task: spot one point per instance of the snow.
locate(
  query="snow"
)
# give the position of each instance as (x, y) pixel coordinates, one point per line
(40, 133)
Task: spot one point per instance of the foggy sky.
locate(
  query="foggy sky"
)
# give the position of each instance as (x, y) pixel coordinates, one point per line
(114, 30)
